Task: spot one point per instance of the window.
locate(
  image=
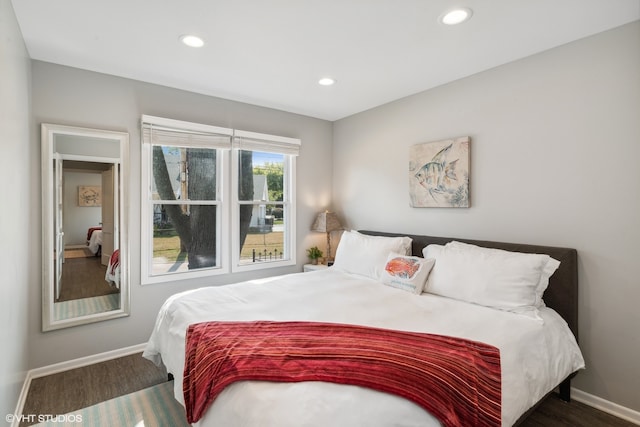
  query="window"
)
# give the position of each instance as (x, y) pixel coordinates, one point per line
(213, 202)
(264, 211)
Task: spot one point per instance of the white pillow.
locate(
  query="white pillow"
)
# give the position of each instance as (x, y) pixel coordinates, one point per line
(408, 273)
(548, 265)
(367, 255)
(496, 278)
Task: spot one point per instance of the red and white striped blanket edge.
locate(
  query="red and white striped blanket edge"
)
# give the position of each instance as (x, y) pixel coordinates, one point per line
(456, 380)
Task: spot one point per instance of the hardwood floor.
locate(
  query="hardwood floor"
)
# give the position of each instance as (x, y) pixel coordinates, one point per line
(84, 278)
(558, 413)
(78, 388)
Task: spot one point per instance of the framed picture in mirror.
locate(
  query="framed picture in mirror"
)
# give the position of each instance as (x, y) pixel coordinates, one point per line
(89, 195)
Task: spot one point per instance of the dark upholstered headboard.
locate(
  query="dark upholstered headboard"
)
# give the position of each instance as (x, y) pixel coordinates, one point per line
(562, 293)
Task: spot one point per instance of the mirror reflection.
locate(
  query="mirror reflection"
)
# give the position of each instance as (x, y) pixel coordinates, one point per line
(85, 277)
(82, 263)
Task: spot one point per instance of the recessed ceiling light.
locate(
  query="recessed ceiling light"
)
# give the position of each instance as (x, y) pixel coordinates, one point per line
(192, 41)
(327, 81)
(456, 16)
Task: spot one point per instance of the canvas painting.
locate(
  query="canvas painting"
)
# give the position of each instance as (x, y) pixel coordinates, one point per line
(439, 174)
(89, 195)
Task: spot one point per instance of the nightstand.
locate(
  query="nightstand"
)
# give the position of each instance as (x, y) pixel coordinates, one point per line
(314, 267)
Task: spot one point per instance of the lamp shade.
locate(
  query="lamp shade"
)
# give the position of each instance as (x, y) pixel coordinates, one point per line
(326, 222)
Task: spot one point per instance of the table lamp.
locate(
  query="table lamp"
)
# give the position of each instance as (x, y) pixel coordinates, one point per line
(326, 222)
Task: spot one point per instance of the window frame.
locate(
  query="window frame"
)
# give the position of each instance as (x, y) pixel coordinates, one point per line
(228, 224)
(288, 204)
(147, 201)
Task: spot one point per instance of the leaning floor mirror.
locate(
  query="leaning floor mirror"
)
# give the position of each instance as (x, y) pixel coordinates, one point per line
(85, 274)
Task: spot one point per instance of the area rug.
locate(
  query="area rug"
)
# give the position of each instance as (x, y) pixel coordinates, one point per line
(77, 253)
(85, 306)
(151, 407)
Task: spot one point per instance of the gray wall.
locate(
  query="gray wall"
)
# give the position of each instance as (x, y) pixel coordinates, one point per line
(71, 96)
(17, 236)
(555, 149)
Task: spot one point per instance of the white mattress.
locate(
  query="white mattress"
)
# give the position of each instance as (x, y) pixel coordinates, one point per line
(534, 357)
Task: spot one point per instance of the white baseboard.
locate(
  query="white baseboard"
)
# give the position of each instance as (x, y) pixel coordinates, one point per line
(65, 366)
(21, 399)
(86, 361)
(606, 406)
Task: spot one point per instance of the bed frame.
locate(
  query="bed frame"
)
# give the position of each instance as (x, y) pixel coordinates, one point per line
(561, 295)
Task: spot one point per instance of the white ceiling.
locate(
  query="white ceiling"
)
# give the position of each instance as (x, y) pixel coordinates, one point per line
(272, 52)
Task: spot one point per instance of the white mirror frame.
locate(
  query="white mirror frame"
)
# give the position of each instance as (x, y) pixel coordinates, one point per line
(49, 131)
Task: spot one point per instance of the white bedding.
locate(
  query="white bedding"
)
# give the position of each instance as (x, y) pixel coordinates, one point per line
(535, 357)
(95, 241)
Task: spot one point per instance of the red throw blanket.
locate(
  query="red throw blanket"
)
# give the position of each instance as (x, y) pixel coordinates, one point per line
(114, 262)
(456, 380)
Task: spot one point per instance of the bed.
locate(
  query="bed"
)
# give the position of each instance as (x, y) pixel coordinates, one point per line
(112, 275)
(94, 240)
(538, 349)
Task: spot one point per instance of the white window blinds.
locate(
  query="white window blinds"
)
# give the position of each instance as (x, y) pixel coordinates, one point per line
(244, 140)
(161, 131)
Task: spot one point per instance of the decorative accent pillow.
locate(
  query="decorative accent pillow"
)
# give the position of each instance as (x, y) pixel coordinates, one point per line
(408, 273)
(367, 255)
(511, 281)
